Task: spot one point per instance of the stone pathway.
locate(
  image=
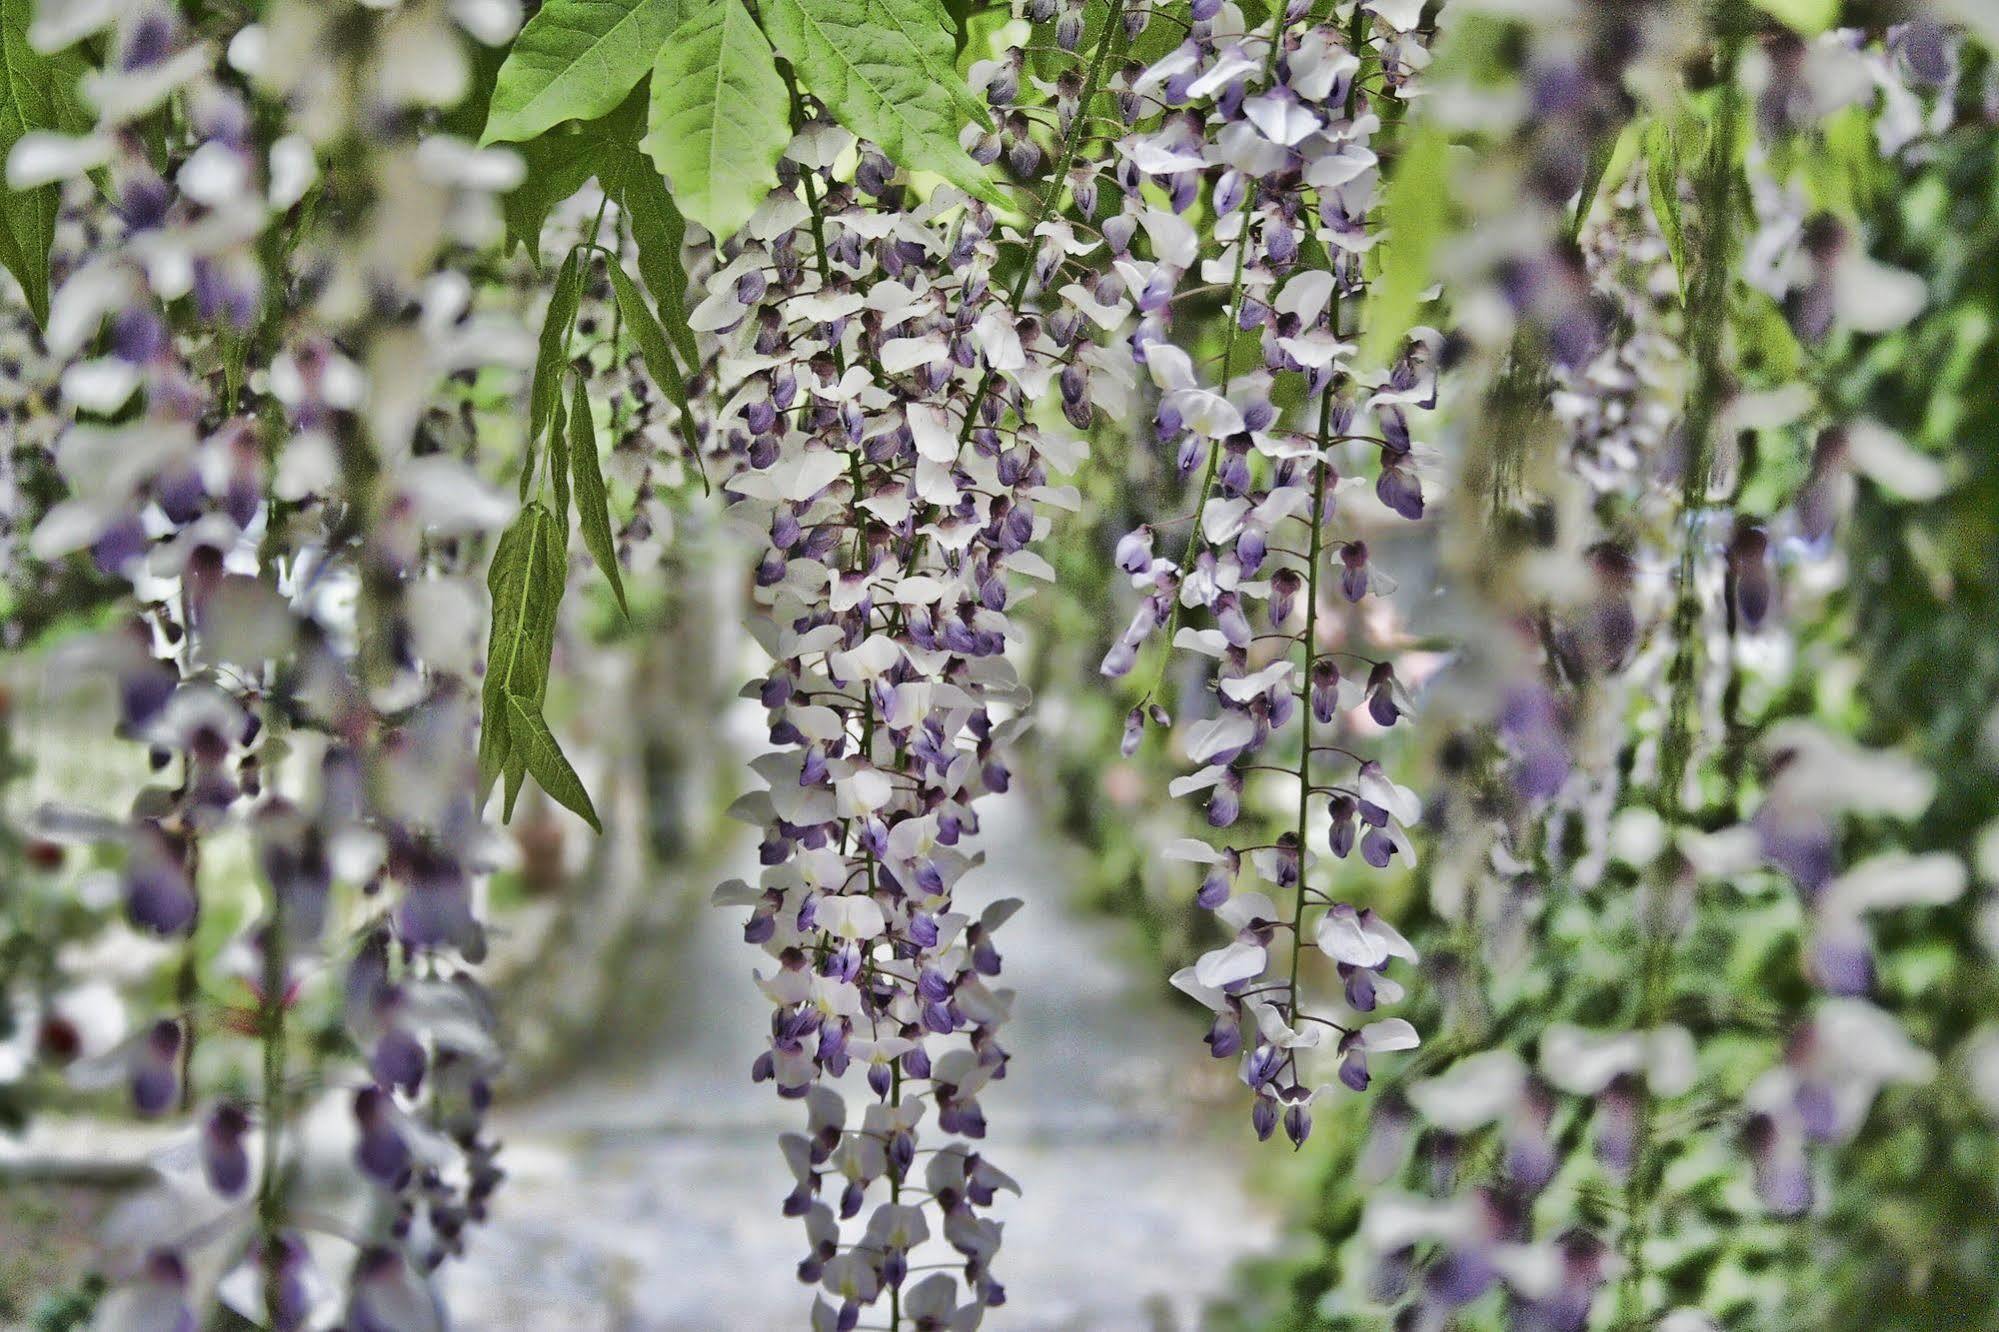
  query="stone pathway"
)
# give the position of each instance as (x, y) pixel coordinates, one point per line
(647, 1199)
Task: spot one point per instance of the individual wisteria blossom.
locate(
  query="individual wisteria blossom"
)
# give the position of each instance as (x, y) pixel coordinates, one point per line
(1274, 130)
(243, 454)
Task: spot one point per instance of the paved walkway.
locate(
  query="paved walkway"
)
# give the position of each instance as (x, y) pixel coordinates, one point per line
(647, 1199)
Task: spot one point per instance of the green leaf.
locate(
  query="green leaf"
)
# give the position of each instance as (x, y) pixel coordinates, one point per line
(932, 33)
(1610, 161)
(1841, 169)
(537, 745)
(576, 60)
(1151, 46)
(37, 92)
(651, 338)
(557, 166)
(720, 117)
(558, 467)
(654, 351)
(526, 581)
(517, 772)
(1662, 180)
(553, 357)
(593, 505)
(658, 231)
(1413, 208)
(861, 59)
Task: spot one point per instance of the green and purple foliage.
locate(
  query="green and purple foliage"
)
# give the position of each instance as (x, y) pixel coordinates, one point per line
(1493, 498)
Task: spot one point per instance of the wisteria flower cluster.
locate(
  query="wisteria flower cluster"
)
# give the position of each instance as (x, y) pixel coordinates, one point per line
(241, 454)
(1677, 622)
(868, 367)
(1278, 128)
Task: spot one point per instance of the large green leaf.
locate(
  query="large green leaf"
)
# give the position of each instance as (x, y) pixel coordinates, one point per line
(37, 92)
(859, 57)
(536, 744)
(593, 505)
(576, 60)
(720, 115)
(526, 581)
(932, 34)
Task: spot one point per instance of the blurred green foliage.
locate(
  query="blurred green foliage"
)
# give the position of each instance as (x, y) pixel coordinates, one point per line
(1904, 657)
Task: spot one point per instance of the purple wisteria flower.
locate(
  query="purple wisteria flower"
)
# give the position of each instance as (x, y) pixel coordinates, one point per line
(1276, 127)
(878, 410)
(239, 455)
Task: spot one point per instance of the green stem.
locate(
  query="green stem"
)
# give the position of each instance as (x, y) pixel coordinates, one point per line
(1707, 312)
(1305, 687)
(187, 980)
(1195, 541)
(1092, 84)
(271, 1027)
(857, 482)
(820, 261)
(1312, 562)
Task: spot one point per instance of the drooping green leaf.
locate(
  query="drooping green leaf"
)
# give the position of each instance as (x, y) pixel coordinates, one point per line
(593, 505)
(1610, 161)
(37, 92)
(576, 60)
(1413, 207)
(720, 115)
(654, 351)
(517, 772)
(860, 60)
(558, 467)
(646, 330)
(558, 164)
(658, 230)
(526, 582)
(1662, 180)
(512, 767)
(544, 758)
(553, 357)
